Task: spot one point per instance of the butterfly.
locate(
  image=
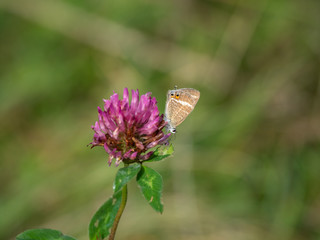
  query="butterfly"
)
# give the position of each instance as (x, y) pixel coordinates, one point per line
(180, 103)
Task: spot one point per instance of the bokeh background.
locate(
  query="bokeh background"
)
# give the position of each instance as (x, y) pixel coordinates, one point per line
(246, 163)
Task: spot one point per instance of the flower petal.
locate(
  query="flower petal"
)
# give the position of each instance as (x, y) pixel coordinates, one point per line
(133, 155)
(146, 156)
(125, 100)
(134, 101)
(127, 154)
(111, 156)
(138, 143)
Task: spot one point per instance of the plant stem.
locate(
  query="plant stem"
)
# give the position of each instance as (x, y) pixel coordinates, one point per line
(119, 213)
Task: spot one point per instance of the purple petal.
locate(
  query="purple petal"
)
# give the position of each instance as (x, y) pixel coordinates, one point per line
(120, 121)
(125, 101)
(115, 133)
(130, 121)
(107, 104)
(158, 140)
(133, 155)
(145, 117)
(103, 124)
(146, 156)
(118, 158)
(135, 100)
(152, 144)
(138, 143)
(118, 161)
(118, 154)
(127, 154)
(114, 99)
(148, 131)
(154, 109)
(111, 156)
(164, 139)
(107, 148)
(150, 127)
(108, 121)
(142, 104)
(96, 128)
(163, 123)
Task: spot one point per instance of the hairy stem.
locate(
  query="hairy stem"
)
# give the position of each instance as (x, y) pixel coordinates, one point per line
(119, 213)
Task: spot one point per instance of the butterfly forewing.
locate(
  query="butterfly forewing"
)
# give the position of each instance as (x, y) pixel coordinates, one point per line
(180, 105)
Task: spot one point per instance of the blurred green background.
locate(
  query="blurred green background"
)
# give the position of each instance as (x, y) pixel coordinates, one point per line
(246, 163)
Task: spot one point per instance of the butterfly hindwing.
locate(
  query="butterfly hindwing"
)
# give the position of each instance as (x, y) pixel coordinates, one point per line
(180, 103)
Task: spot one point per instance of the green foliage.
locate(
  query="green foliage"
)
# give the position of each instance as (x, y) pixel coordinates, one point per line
(124, 175)
(103, 219)
(43, 234)
(150, 183)
(161, 153)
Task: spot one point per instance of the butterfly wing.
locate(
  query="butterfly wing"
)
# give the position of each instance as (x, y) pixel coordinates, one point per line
(180, 105)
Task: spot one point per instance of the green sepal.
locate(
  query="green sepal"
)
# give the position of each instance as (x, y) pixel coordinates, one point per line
(124, 175)
(161, 153)
(102, 221)
(150, 183)
(43, 234)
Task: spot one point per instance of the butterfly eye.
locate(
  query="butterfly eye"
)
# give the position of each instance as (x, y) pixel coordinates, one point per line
(177, 95)
(172, 95)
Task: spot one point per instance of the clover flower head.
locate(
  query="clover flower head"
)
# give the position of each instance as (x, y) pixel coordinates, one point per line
(128, 130)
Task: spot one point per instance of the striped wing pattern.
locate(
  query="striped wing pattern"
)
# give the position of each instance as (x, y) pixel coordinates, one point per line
(180, 105)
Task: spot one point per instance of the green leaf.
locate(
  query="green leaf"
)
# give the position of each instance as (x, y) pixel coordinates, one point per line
(150, 183)
(102, 221)
(43, 234)
(161, 153)
(124, 175)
